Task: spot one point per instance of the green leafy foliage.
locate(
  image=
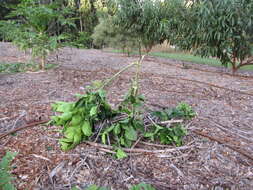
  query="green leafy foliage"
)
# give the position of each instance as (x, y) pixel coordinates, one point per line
(30, 26)
(107, 33)
(80, 40)
(142, 186)
(94, 187)
(78, 118)
(92, 116)
(143, 19)
(21, 67)
(182, 111)
(120, 154)
(172, 134)
(5, 176)
(221, 29)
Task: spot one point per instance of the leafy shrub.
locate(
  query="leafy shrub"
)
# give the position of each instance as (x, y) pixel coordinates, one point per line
(221, 29)
(81, 40)
(21, 67)
(31, 26)
(5, 176)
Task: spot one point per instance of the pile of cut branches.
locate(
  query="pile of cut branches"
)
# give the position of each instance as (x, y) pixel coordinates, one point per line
(91, 118)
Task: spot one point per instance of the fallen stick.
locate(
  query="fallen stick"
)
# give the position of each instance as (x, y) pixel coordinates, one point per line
(224, 142)
(210, 84)
(138, 150)
(23, 127)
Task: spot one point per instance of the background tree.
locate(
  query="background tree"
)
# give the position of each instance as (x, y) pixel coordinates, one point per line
(144, 19)
(221, 29)
(107, 34)
(33, 27)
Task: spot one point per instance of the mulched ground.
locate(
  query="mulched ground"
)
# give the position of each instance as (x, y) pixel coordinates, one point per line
(224, 104)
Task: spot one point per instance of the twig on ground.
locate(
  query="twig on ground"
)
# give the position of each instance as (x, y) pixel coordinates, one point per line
(241, 151)
(139, 150)
(41, 157)
(23, 127)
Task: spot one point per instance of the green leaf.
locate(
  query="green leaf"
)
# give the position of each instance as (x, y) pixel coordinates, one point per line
(74, 188)
(117, 129)
(77, 138)
(131, 134)
(104, 138)
(120, 154)
(102, 94)
(63, 106)
(87, 129)
(66, 116)
(93, 111)
(76, 120)
(70, 132)
(142, 186)
(93, 187)
(65, 146)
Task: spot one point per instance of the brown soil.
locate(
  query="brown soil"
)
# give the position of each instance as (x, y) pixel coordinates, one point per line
(224, 104)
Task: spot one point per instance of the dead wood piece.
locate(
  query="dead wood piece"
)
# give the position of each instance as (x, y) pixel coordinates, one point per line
(209, 84)
(226, 143)
(139, 150)
(23, 127)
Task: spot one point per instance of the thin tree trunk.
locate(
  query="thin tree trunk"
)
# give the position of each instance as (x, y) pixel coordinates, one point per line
(234, 68)
(81, 23)
(43, 62)
(140, 49)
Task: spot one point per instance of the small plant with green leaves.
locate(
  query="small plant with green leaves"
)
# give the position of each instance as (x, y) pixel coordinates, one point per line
(5, 176)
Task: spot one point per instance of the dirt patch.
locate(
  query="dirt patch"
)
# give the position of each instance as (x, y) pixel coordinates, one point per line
(224, 104)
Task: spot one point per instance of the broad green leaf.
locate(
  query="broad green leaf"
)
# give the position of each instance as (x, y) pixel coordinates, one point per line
(70, 132)
(87, 129)
(66, 116)
(120, 154)
(117, 129)
(104, 138)
(65, 146)
(64, 107)
(77, 138)
(93, 111)
(76, 120)
(131, 134)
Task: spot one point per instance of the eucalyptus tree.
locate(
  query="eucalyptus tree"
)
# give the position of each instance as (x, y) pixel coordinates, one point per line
(144, 19)
(221, 29)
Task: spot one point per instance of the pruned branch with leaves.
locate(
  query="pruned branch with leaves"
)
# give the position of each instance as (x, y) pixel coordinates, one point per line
(92, 118)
